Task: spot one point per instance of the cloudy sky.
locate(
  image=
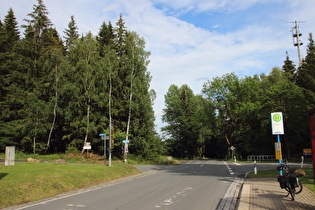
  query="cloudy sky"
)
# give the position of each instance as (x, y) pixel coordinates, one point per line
(192, 41)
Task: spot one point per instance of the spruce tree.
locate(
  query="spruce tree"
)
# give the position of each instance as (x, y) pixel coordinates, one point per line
(71, 33)
(105, 37)
(12, 85)
(306, 73)
(289, 68)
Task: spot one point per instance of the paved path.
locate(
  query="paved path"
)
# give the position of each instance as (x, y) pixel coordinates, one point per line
(265, 193)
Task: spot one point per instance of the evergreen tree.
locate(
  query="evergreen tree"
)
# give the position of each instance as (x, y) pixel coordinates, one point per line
(105, 37)
(40, 42)
(11, 32)
(120, 38)
(12, 82)
(71, 33)
(306, 73)
(289, 68)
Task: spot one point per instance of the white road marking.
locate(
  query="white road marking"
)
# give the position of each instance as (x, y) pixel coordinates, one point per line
(173, 198)
(229, 168)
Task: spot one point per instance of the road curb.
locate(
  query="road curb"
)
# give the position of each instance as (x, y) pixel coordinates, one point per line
(244, 198)
(230, 199)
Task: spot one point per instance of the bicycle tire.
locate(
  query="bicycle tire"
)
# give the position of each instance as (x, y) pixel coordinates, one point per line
(299, 188)
(292, 193)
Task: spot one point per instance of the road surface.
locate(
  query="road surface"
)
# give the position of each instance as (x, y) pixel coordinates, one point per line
(197, 185)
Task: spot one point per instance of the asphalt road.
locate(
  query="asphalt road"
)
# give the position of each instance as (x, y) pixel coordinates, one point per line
(199, 184)
(196, 185)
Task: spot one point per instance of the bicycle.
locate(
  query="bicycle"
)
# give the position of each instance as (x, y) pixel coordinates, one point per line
(290, 181)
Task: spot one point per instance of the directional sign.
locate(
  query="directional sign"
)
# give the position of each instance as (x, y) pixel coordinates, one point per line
(277, 123)
(125, 141)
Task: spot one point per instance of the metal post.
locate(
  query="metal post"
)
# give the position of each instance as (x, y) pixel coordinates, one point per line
(103, 137)
(280, 160)
(109, 147)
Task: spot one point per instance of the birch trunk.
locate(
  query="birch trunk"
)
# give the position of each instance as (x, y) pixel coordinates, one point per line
(55, 111)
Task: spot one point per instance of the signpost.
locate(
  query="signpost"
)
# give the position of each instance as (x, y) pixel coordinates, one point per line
(125, 142)
(277, 129)
(87, 146)
(110, 138)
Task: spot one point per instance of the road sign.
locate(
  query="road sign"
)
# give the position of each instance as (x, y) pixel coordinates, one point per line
(87, 145)
(277, 123)
(125, 141)
(278, 151)
(307, 151)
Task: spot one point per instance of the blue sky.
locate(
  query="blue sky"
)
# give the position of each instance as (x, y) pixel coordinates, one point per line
(192, 41)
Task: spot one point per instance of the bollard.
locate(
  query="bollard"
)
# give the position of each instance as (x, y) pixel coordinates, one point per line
(302, 161)
(255, 167)
(235, 159)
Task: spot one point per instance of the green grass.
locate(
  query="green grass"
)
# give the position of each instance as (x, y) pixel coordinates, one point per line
(26, 182)
(307, 180)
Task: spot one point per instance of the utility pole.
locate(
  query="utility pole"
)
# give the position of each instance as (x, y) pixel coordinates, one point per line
(296, 34)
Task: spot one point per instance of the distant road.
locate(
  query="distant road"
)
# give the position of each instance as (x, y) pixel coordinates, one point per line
(196, 185)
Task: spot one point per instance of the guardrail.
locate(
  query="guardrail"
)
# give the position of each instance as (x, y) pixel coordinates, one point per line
(261, 157)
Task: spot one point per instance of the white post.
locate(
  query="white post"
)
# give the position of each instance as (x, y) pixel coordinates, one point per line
(255, 167)
(302, 161)
(9, 156)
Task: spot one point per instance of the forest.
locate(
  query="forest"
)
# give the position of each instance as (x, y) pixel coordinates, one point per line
(59, 92)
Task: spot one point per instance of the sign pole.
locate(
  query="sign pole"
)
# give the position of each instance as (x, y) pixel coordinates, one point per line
(109, 147)
(277, 129)
(280, 158)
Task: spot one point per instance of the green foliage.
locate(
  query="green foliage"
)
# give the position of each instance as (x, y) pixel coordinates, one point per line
(57, 95)
(235, 111)
(187, 125)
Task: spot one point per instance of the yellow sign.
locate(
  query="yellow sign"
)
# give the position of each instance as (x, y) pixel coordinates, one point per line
(307, 151)
(278, 150)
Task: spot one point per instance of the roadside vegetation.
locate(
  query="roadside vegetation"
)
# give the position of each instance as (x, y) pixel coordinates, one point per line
(25, 182)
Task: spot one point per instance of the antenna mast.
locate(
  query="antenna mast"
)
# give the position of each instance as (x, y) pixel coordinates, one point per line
(296, 34)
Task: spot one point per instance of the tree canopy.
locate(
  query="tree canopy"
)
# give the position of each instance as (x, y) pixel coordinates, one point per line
(57, 94)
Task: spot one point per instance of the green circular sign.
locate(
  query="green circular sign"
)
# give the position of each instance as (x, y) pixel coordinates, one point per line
(277, 117)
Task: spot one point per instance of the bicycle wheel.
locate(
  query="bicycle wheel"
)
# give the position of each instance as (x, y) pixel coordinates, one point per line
(292, 193)
(299, 188)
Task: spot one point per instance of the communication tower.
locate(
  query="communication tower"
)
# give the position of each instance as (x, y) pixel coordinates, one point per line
(296, 34)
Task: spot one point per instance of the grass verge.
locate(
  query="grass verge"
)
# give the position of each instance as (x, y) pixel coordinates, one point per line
(307, 180)
(26, 182)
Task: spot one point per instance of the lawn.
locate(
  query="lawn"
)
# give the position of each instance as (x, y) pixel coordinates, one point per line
(26, 182)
